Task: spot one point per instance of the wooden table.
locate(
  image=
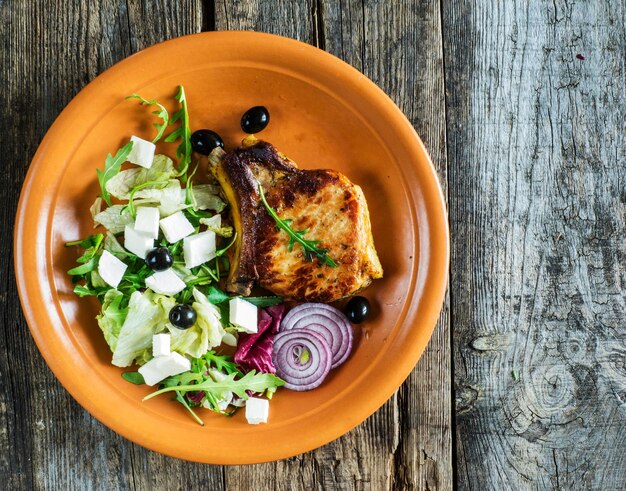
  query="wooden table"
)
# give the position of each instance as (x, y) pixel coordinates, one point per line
(522, 105)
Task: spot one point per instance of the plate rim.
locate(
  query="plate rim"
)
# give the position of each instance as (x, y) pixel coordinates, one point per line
(442, 267)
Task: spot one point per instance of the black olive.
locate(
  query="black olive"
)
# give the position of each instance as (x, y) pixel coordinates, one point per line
(357, 309)
(159, 259)
(255, 119)
(183, 316)
(204, 141)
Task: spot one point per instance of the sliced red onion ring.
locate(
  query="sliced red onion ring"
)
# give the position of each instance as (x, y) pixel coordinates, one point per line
(301, 374)
(336, 324)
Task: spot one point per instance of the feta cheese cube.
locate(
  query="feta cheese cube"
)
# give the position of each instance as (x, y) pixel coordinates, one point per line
(176, 227)
(160, 345)
(165, 282)
(137, 242)
(111, 269)
(199, 248)
(257, 410)
(164, 366)
(243, 314)
(142, 152)
(147, 221)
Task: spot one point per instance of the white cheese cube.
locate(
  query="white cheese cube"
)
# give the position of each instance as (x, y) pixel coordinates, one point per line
(199, 248)
(243, 314)
(160, 345)
(176, 227)
(165, 366)
(147, 221)
(257, 410)
(142, 152)
(137, 242)
(165, 282)
(111, 269)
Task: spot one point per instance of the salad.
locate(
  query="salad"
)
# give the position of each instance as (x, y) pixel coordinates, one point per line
(156, 263)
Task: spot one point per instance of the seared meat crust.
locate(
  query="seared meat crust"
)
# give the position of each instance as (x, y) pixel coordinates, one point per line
(324, 202)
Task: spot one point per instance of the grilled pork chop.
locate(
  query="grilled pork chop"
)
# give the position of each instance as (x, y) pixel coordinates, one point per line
(324, 202)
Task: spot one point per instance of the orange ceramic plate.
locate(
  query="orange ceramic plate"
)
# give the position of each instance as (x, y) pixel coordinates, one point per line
(325, 114)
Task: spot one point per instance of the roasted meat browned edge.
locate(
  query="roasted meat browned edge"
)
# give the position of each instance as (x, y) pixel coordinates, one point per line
(324, 202)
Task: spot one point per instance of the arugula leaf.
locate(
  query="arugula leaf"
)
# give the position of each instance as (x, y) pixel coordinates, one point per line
(89, 260)
(310, 247)
(264, 301)
(134, 378)
(84, 243)
(216, 296)
(112, 166)
(222, 363)
(252, 381)
(183, 152)
(85, 291)
(161, 113)
(181, 399)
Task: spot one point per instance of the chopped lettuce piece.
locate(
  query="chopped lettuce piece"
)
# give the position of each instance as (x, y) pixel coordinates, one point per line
(112, 245)
(146, 316)
(222, 230)
(206, 333)
(114, 218)
(96, 207)
(168, 197)
(206, 197)
(123, 183)
(112, 317)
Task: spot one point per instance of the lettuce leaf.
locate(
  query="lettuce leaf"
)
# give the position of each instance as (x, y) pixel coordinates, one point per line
(206, 333)
(205, 197)
(114, 218)
(214, 224)
(112, 317)
(123, 182)
(146, 316)
(168, 197)
(112, 245)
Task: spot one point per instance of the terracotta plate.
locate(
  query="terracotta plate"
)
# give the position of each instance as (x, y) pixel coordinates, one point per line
(324, 114)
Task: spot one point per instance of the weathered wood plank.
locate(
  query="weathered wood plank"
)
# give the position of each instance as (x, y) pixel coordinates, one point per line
(408, 442)
(49, 52)
(399, 46)
(535, 104)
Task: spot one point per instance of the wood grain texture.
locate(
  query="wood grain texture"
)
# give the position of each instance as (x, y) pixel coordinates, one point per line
(535, 106)
(48, 53)
(406, 444)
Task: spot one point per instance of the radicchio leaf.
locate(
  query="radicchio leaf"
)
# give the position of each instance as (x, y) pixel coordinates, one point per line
(254, 351)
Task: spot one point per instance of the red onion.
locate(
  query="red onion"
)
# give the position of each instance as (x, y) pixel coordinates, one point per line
(299, 374)
(331, 323)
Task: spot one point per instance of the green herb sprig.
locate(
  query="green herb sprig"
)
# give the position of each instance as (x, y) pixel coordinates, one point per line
(310, 247)
(112, 166)
(199, 379)
(252, 381)
(183, 152)
(161, 113)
